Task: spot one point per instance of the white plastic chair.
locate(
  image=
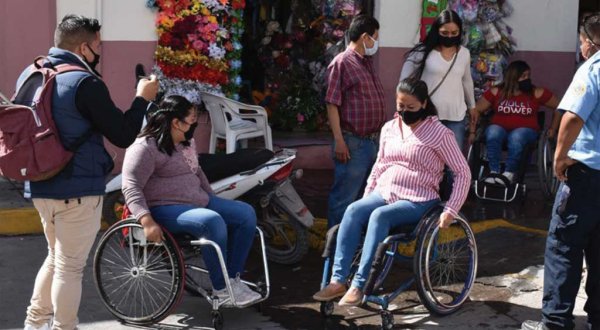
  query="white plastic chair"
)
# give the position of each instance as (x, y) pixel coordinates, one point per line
(235, 121)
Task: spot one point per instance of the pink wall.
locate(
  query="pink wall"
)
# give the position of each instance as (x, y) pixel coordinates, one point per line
(553, 70)
(26, 31)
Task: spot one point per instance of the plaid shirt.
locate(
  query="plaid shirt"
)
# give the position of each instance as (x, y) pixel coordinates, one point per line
(356, 90)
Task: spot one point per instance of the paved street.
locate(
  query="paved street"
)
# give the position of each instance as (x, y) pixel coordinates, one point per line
(510, 242)
(507, 291)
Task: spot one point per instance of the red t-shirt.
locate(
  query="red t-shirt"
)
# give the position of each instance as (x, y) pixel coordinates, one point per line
(518, 111)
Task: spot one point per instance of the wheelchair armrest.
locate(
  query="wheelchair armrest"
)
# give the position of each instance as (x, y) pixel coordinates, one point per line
(330, 241)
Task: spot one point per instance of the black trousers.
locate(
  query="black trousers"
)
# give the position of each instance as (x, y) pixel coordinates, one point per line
(574, 233)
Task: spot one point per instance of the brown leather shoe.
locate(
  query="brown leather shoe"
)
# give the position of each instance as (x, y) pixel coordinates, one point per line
(330, 292)
(353, 297)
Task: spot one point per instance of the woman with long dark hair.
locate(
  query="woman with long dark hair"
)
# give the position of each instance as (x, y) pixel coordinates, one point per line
(515, 104)
(402, 186)
(445, 66)
(164, 184)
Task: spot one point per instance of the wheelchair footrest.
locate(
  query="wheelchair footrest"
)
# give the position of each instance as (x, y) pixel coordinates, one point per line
(497, 192)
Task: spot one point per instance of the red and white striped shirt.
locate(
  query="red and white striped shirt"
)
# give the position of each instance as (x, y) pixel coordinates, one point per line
(410, 164)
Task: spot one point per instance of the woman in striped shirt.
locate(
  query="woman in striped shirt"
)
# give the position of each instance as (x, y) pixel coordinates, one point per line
(403, 185)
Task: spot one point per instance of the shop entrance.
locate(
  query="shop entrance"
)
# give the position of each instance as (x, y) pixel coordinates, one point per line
(287, 45)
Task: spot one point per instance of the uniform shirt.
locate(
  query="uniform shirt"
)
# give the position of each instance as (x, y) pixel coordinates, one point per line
(517, 111)
(456, 94)
(410, 164)
(356, 90)
(583, 99)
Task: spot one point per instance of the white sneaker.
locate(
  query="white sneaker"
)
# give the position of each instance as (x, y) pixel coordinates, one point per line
(510, 176)
(491, 180)
(243, 294)
(31, 327)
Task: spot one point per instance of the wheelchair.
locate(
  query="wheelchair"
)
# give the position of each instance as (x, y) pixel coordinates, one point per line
(508, 192)
(141, 282)
(444, 265)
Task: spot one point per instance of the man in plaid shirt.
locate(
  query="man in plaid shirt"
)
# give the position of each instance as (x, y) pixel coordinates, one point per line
(356, 111)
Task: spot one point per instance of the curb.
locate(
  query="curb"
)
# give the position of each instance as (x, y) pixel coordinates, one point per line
(23, 221)
(20, 221)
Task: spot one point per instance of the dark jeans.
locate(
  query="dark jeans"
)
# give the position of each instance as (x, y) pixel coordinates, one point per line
(350, 177)
(574, 229)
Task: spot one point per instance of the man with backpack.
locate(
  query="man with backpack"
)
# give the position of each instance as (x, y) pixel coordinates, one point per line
(70, 202)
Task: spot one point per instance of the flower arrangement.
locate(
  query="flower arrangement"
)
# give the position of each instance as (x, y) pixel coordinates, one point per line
(295, 59)
(199, 46)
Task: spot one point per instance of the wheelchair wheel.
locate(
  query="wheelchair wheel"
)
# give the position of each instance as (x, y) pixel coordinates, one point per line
(445, 264)
(387, 320)
(217, 320)
(545, 164)
(326, 308)
(139, 282)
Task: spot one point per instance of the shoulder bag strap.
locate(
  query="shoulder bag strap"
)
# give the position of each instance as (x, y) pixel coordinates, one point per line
(446, 75)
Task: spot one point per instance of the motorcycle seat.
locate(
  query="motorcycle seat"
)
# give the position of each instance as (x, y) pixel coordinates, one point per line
(220, 166)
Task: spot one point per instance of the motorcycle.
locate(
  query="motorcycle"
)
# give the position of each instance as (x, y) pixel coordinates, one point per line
(256, 176)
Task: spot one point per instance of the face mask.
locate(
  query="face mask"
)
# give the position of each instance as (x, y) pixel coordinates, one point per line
(190, 132)
(95, 61)
(449, 41)
(411, 117)
(373, 50)
(525, 86)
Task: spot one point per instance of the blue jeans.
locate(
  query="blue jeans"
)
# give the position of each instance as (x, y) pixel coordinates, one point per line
(518, 139)
(458, 128)
(230, 224)
(350, 177)
(574, 231)
(372, 213)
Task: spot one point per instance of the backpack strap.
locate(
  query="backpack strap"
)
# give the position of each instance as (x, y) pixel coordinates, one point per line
(62, 68)
(38, 62)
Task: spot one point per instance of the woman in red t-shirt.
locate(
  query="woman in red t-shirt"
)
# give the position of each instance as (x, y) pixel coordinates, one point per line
(515, 104)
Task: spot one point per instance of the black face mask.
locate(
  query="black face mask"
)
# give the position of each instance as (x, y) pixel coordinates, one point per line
(525, 86)
(190, 132)
(94, 62)
(449, 41)
(411, 117)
